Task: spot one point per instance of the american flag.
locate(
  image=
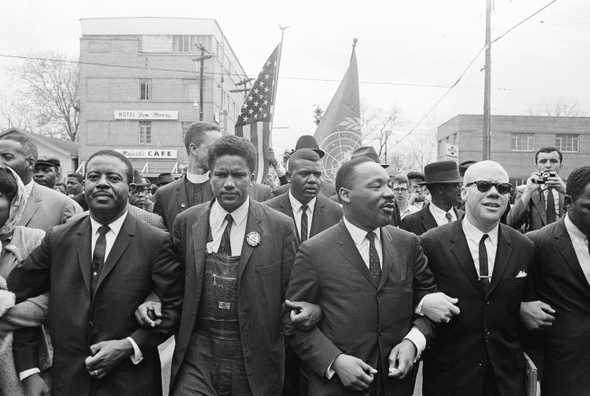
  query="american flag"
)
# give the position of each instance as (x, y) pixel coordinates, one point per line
(255, 120)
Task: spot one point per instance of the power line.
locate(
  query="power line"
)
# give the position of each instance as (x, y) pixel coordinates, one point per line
(444, 95)
(523, 21)
(192, 72)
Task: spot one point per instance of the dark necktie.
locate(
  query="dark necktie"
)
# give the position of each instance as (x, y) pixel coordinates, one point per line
(484, 274)
(225, 244)
(98, 256)
(303, 222)
(449, 217)
(374, 264)
(550, 206)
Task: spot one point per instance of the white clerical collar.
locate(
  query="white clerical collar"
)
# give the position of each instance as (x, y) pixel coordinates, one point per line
(475, 234)
(296, 205)
(115, 225)
(357, 234)
(197, 179)
(239, 214)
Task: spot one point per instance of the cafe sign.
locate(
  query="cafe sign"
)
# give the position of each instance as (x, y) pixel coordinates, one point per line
(146, 115)
(147, 153)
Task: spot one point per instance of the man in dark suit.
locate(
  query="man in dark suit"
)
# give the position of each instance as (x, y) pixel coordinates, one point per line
(97, 270)
(45, 207)
(305, 171)
(311, 214)
(483, 264)
(559, 309)
(366, 276)
(444, 183)
(542, 201)
(238, 255)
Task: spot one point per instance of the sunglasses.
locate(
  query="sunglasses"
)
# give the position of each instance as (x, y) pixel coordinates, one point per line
(485, 186)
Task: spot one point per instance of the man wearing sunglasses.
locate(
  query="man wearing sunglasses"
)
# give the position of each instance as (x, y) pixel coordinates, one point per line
(483, 264)
(542, 201)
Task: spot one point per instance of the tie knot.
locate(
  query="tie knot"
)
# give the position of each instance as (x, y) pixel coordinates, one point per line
(229, 219)
(304, 208)
(371, 236)
(483, 238)
(448, 215)
(103, 229)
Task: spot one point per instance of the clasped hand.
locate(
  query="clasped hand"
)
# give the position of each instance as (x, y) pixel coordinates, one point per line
(106, 355)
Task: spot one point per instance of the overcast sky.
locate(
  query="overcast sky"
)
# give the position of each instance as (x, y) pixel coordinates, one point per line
(428, 42)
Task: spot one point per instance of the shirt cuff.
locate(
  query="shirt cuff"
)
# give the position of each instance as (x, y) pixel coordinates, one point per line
(27, 373)
(418, 310)
(416, 337)
(330, 371)
(137, 356)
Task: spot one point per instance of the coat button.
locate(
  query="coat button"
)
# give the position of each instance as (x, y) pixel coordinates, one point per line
(479, 364)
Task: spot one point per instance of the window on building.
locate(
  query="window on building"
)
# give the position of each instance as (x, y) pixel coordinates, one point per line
(567, 143)
(145, 89)
(145, 132)
(181, 43)
(522, 142)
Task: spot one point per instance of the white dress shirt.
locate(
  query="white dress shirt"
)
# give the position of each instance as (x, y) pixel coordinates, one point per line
(440, 215)
(297, 213)
(545, 191)
(197, 179)
(408, 210)
(473, 236)
(359, 236)
(580, 242)
(217, 223)
(28, 190)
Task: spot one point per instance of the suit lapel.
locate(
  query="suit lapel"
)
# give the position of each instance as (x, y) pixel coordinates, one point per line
(253, 224)
(391, 264)
(428, 220)
(460, 250)
(123, 240)
(316, 219)
(502, 261)
(566, 249)
(31, 206)
(351, 254)
(200, 230)
(85, 250)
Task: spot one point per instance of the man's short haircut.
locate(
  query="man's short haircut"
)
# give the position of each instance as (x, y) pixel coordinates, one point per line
(345, 174)
(29, 147)
(577, 182)
(304, 154)
(415, 175)
(399, 179)
(8, 184)
(196, 132)
(548, 149)
(76, 176)
(233, 145)
(115, 154)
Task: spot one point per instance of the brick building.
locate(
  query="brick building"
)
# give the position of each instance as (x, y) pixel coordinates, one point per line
(515, 139)
(140, 86)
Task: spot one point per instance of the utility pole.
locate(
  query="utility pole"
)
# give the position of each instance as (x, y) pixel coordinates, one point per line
(487, 117)
(202, 60)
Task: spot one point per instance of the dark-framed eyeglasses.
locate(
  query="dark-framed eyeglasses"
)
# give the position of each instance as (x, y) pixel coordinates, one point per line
(485, 186)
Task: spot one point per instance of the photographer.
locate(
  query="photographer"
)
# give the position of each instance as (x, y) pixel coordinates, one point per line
(542, 201)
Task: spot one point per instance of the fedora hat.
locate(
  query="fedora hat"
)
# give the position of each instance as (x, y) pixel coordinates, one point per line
(369, 152)
(441, 172)
(308, 141)
(164, 178)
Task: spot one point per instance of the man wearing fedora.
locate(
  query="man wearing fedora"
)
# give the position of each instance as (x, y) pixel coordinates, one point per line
(444, 183)
(308, 142)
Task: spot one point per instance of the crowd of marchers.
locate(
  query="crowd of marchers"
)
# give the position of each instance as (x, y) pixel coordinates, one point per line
(306, 288)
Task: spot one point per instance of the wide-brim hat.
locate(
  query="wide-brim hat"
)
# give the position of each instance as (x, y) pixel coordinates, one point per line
(308, 141)
(369, 152)
(441, 172)
(164, 178)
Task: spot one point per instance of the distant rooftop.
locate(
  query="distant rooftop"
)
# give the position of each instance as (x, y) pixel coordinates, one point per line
(149, 25)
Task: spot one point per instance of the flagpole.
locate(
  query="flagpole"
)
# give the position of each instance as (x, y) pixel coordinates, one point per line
(354, 43)
(276, 81)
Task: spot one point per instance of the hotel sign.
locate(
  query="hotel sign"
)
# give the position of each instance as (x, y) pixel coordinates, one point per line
(146, 115)
(147, 153)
